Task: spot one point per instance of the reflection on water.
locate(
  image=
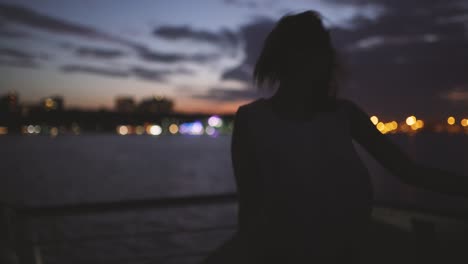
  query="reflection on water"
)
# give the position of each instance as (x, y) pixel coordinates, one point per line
(69, 169)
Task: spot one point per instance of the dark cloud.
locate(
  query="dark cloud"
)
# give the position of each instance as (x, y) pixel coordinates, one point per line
(16, 54)
(406, 59)
(139, 72)
(399, 63)
(251, 4)
(19, 63)
(254, 35)
(240, 73)
(108, 72)
(223, 38)
(100, 53)
(157, 75)
(150, 75)
(9, 32)
(13, 57)
(229, 94)
(10, 13)
(25, 16)
(155, 56)
(242, 3)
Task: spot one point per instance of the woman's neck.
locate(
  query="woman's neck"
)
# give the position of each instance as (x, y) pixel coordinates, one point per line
(289, 102)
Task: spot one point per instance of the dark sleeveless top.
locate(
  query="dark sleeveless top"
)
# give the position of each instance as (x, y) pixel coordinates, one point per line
(303, 191)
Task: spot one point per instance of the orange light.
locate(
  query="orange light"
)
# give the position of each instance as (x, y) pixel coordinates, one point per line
(451, 120)
(464, 122)
(381, 127)
(419, 124)
(173, 129)
(49, 103)
(374, 120)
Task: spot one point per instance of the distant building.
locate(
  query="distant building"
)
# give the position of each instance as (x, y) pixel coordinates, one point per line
(9, 103)
(125, 105)
(156, 105)
(53, 103)
(28, 108)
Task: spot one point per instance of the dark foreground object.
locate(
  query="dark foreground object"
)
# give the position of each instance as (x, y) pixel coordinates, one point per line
(135, 232)
(394, 237)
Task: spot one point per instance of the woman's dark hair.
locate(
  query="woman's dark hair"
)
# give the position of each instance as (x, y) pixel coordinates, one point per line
(299, 47)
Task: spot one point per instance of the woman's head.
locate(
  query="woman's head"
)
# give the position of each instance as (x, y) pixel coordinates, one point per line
(299, 56)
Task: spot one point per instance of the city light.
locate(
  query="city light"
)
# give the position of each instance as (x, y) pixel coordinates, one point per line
(54, 132)
(215, 121)
(419, 124)
(76, 129)
(139, 130)
(381, 127)
(155, 130)
(194, 128)
(127, 111)
(464, 122)
(411, 120)
(210, 131)
(122, 130)
(30, 129)
(173, 129)
(451, 120)
(49, 103)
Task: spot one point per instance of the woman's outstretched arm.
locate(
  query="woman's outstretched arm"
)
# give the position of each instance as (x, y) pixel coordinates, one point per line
(391, 157)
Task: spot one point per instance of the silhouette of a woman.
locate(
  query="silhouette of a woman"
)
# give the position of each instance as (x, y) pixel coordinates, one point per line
(304, 194)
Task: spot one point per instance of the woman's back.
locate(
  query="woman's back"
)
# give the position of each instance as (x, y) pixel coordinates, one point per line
(303, 189)
(304, 194)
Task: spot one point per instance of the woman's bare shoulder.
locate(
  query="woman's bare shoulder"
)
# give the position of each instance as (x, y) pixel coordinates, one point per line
(252, 106)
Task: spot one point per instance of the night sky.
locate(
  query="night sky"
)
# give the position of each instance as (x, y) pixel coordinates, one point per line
(400, 57)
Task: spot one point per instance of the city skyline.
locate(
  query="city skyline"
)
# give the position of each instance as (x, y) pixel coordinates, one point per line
(402, 58)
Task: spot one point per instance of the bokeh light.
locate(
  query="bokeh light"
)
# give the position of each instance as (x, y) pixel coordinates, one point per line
(410, 120)
(374, 120)
(122, 130)
(3, 130)
(155, 130)
(210, 131)
(54, 132)
(194, 128)
(215, 121)
(451, 120)
(381, 126)
(173, 129)
(464, 122)
(30, 129)
(419, 124)
(139, 130)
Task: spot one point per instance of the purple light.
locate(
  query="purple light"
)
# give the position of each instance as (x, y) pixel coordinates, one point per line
(194, 128)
